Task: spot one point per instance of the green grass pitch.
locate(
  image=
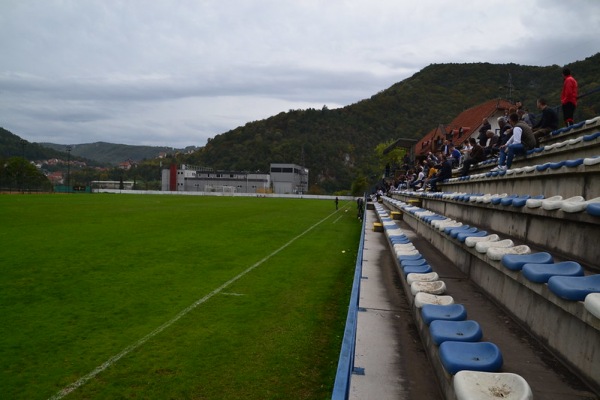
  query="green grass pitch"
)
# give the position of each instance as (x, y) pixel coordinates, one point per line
(172, 297)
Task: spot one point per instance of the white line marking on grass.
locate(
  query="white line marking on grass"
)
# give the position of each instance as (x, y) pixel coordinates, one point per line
(338, 218)
(84, 379)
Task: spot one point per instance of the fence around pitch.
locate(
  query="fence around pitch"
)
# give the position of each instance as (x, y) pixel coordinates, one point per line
(341, 388)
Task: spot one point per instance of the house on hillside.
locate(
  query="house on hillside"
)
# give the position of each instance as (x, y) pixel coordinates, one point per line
(464, 126)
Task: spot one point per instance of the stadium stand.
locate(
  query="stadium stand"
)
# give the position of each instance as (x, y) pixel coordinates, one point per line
(524, 240)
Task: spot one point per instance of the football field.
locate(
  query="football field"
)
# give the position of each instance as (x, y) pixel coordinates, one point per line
(173, 297)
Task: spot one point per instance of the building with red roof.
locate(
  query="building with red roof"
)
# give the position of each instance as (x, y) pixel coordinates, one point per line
(464, 126)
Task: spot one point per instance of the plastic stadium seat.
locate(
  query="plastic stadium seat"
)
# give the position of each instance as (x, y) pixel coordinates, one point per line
(451, 312)
(591, 136)
(522, 200)
(557, 165)
(417, 269)
(591, 160)
(462, 236)
(436, 287)
(448, 230)
(556, 204)
(472, 356)
(471, 241)
(428, 277)
(482, 247)
(574, 288)
(593, 209)
(543, 167)
(458, 331)
(507, 201)
(496, 253)
(574, 163)
(498, 200)
(573, 206)
(592, 304)
(412, 257)
(477, 385)
(540, 273)
(535, 203)
(454, 232)
(422, 299)
(413, 263)
(515, 262)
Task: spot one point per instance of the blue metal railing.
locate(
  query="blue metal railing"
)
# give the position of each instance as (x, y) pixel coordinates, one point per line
(341, 388)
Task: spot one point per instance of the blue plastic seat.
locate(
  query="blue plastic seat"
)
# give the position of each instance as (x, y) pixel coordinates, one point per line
(574, 288)
(399, 240)
(543, 167)
(454, 232)
(522, 200)
(409, 257)
(540, 273)
(497, 200)
(507, 201)
(557, 165)
(574, 163)
(451, 312)
(413, 263)
(472, 356)
(515, 262)
(417, 269)
(593, 209)
(457, 331)
(462, 236)
(591, 136)
(449, 229)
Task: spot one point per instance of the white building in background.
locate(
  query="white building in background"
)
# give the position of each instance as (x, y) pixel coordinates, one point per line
(289, 179)
(188, 178)
(283, 179)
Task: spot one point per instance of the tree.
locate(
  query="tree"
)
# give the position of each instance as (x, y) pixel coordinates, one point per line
(16, 173)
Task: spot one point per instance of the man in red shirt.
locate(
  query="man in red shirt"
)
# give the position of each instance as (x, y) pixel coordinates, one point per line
(568, 97)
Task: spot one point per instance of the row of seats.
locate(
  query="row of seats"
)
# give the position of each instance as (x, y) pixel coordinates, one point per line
(570, 205)
(565, 279)
(583, 125)
(565, 165)
(474, 364)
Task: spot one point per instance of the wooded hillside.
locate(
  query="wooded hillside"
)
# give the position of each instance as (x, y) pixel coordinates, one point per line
(338, 145)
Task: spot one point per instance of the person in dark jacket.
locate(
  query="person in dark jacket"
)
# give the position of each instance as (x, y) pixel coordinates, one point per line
(445, 172)
(547, 123)
(482, 138)
(476, 155)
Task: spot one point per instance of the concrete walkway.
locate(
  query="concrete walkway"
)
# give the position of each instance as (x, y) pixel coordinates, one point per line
(390, 362)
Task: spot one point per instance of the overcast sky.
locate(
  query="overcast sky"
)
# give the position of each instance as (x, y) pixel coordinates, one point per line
(177, 72)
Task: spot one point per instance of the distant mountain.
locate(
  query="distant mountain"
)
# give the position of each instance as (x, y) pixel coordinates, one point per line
(12, 145)
(338, 145)
(110, 153)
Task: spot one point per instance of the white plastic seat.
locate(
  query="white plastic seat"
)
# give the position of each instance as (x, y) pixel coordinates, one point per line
(477, 385)
(578, 206)
(556, 204)
(535, 203)
(482, 247)
(428, 277)
(496, 196)
(591, 161)
(496, 253)
(436, 287)
(592, 304)
(425, 298)
(471, 241)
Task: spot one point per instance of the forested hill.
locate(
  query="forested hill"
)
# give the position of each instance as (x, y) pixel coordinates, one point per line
(338, 145)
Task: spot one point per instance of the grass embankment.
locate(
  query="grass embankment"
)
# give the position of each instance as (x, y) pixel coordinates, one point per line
(83, 277)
